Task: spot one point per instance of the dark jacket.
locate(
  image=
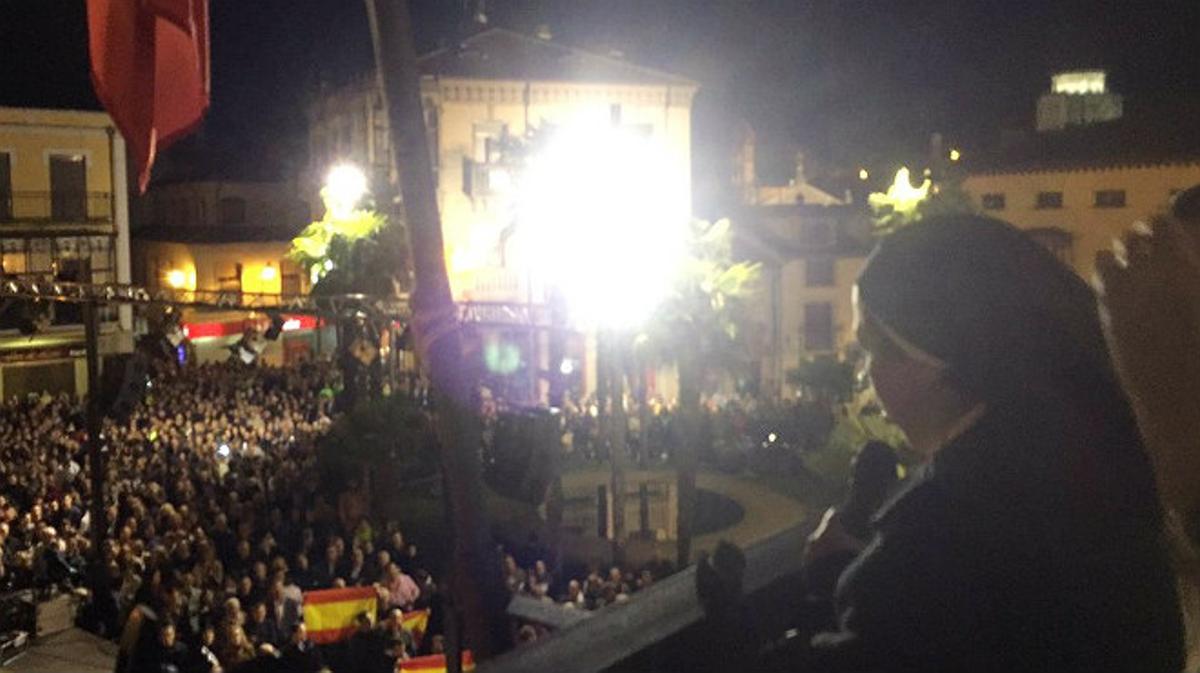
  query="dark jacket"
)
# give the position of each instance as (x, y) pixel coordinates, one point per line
(1003, 555)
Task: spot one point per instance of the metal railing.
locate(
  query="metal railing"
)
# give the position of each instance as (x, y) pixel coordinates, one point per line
(615, 633)
(56, 207)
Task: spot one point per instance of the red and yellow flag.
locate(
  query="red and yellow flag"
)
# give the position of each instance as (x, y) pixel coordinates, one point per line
(416, 622)
(329, 613)
(434, 663)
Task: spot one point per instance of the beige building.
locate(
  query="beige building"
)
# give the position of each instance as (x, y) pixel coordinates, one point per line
(812, 246)
(495, 87)
(229, 237)
(1077, 211)
(64, 215)
(1090, 170)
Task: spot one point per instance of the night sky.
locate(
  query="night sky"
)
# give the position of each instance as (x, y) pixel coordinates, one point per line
(853, 82)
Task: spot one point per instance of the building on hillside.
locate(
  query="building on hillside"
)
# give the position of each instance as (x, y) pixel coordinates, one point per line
(491, 88)
(1078, 98)
(1078, 187)
(231, 237)
(812, 247)
(64, 215)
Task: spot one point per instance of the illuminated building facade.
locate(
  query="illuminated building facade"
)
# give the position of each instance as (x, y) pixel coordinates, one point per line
(64, 215)
(231, 237)
(480, 96)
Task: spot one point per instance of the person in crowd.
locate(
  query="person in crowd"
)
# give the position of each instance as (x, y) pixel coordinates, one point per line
(301, 655)
(402, 591)
(1031, 538)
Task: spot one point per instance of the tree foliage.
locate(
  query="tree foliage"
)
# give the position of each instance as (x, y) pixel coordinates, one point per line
(388, 432)
(700, 323)
(825, 377)
(902, 203)
(350, 252)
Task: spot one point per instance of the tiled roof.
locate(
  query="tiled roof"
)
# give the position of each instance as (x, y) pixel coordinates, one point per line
(499, 54)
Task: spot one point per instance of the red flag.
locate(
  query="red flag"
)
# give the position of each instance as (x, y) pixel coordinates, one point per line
(150, 70)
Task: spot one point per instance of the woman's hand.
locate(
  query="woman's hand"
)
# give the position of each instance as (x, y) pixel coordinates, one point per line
(1149, 288)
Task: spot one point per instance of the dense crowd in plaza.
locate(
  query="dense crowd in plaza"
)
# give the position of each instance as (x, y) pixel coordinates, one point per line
(218, 521)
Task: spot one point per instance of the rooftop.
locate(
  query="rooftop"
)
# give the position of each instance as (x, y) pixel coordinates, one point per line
(1149, 136)
(500, 54)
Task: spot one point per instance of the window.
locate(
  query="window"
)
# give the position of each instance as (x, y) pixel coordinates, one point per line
(486, 146)
(68, 188)
(232, 210)
(229, 277)
(819, 272)
(1059, 242)
(1050, 200)
(818, 326)
(1110, 198)
(993, 201)
(6, 210)
(291, 278)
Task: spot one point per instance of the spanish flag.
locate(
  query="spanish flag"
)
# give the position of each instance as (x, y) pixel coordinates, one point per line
(329, 613)
(416, 622)
(434, 663)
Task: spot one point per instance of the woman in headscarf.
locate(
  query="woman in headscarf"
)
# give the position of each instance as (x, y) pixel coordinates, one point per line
(1031, 538)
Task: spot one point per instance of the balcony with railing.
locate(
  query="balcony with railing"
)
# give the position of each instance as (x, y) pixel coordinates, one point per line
(56, 209)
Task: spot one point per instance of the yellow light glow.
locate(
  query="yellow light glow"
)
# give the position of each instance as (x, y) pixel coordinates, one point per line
(176, 278)
(901, 196)
(863, 174)
(604, 220)
(955, 155)
(344, 188)
(1079, 82)
(269, 273)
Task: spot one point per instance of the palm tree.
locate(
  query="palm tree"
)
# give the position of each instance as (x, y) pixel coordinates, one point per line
(697, 330)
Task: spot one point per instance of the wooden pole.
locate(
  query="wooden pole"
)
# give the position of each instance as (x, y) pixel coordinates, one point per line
(477, 585)
(95, 446)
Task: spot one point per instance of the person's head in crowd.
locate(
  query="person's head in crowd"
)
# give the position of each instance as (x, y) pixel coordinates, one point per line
(437, 644)
(166, 635)
(258, 613)
(299, 634)
(362, 621)
(526, 634)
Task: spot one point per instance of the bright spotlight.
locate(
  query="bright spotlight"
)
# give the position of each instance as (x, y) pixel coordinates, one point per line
(269, 273)
(344, 188)
(176, 278)
(603, 217)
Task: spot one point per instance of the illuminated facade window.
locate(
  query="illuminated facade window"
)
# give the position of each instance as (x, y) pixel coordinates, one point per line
(994, 201)
(1049, 200)
(1110, 198)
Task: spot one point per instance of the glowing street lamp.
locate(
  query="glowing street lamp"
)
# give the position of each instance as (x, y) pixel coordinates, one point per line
(344, 188)
(176, 278)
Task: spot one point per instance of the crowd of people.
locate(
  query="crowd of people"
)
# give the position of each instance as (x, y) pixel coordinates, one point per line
(218, 522)
(592, 591)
